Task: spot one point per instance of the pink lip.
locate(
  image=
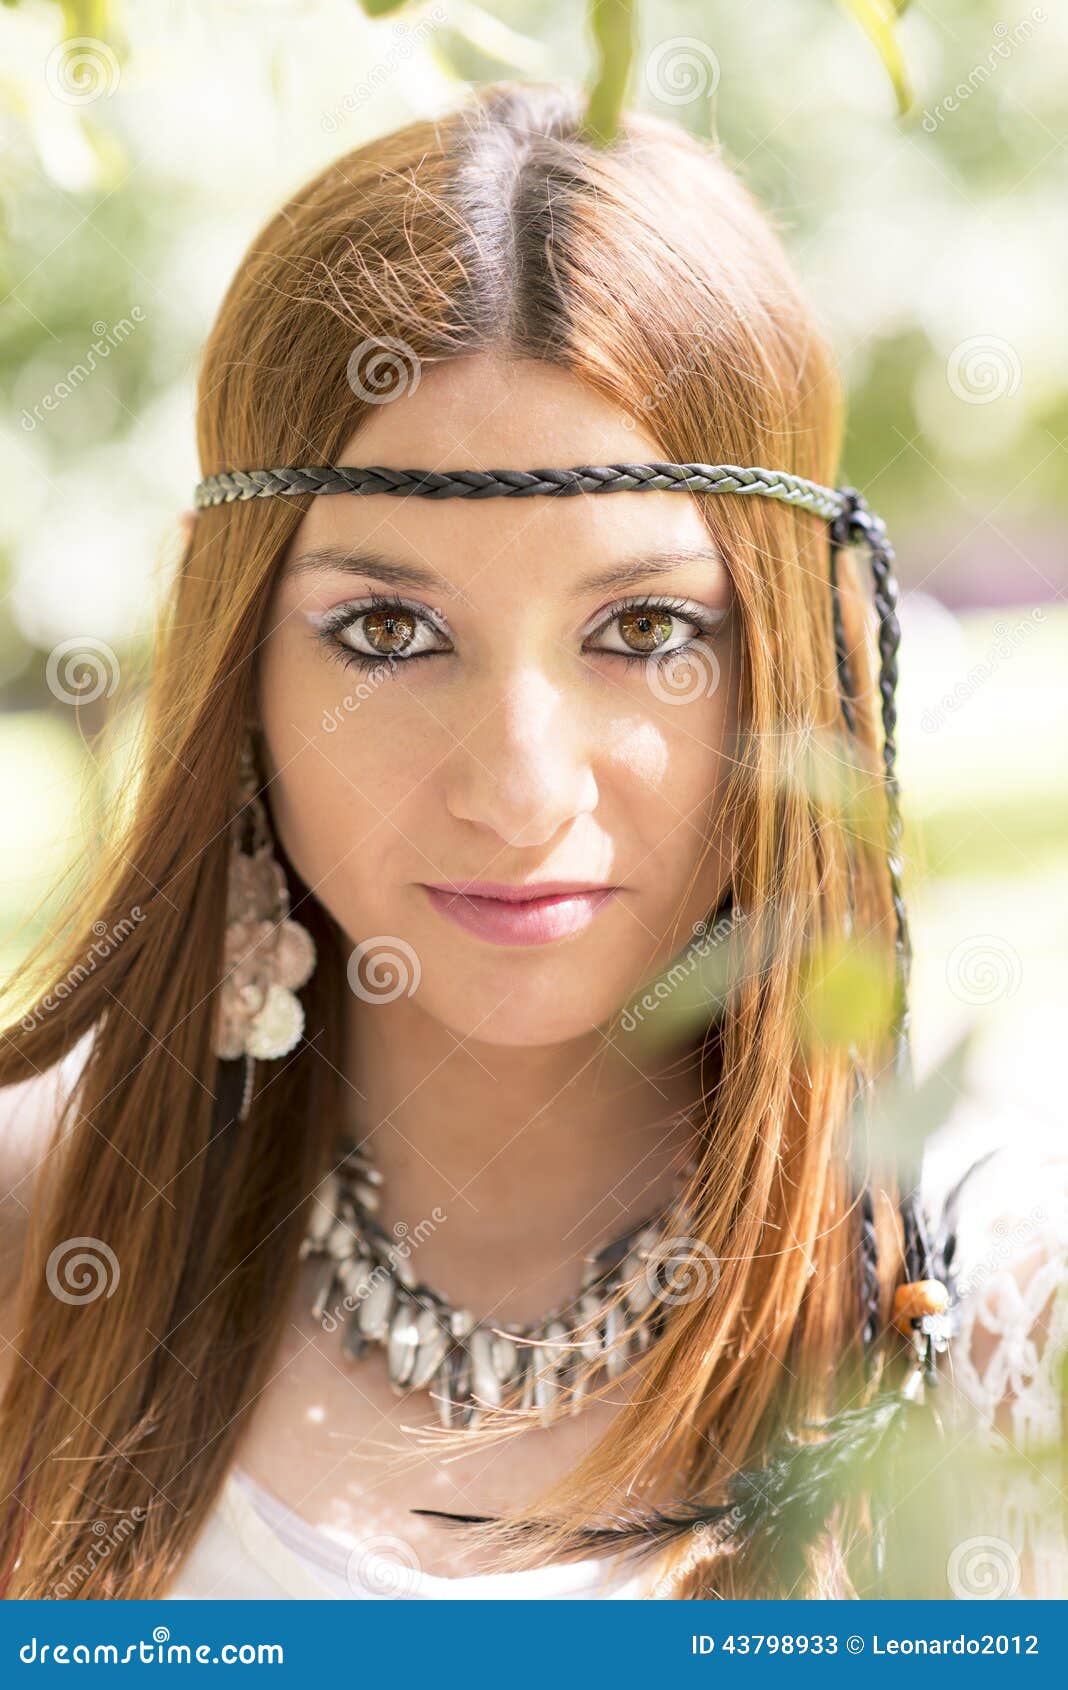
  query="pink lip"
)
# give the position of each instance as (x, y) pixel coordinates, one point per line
(520, 915)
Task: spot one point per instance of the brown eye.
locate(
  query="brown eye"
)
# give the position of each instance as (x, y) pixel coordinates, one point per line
(645, 630)
(388, 631)
(654, 628)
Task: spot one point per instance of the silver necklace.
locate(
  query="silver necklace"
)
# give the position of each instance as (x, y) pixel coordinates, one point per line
(366, 1285)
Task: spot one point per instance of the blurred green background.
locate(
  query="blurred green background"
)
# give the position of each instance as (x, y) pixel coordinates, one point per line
(144, 145)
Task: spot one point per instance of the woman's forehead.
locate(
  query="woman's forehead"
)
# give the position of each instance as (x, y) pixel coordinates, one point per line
(490, 411)
(563, 547)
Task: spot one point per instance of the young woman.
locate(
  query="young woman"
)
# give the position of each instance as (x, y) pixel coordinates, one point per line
(442, 1097)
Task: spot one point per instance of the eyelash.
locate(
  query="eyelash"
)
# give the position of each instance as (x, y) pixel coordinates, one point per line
(344, 616)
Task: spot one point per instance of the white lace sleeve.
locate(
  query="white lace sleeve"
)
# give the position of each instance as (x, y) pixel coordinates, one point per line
(1006, 1361)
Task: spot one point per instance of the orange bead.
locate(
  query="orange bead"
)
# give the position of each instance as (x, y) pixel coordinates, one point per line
(920, 1297)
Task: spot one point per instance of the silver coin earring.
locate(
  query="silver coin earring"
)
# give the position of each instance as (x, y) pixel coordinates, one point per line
(267, 955)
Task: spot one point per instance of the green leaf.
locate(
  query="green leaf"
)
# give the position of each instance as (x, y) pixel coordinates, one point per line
(905, 1117)
(382, 8)
(877, 19)
(612, 23)
(89, 18)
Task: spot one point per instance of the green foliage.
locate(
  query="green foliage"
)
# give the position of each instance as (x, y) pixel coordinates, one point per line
(612, 24)
(906, 1117)
(613, 30)
(877, 19)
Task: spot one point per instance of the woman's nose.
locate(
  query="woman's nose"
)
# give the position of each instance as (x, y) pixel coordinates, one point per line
(522, 767)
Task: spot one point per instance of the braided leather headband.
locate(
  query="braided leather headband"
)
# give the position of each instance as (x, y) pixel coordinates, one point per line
(850, 520)
(491, 483)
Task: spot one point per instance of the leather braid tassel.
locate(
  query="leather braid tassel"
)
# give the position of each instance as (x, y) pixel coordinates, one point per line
(858, 522)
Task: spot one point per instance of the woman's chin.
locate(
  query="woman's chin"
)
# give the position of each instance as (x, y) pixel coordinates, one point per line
(520, 1014)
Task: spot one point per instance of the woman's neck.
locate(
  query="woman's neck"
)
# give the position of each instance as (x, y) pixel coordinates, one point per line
(504, 1166)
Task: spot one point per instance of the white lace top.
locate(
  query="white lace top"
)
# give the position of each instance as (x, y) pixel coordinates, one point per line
(1007, 1359)
(1012, 1261)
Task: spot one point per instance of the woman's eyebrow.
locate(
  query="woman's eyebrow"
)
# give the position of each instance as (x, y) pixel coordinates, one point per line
(350, 561)
(628, 572)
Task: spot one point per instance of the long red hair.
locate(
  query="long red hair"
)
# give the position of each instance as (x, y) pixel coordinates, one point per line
(647, 271)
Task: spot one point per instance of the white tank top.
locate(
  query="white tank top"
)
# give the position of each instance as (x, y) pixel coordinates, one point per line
(253, 1547)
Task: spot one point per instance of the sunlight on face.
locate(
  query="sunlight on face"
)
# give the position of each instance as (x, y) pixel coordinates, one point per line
(515, 691)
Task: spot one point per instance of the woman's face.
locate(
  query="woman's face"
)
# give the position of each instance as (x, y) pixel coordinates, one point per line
(472, 691)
